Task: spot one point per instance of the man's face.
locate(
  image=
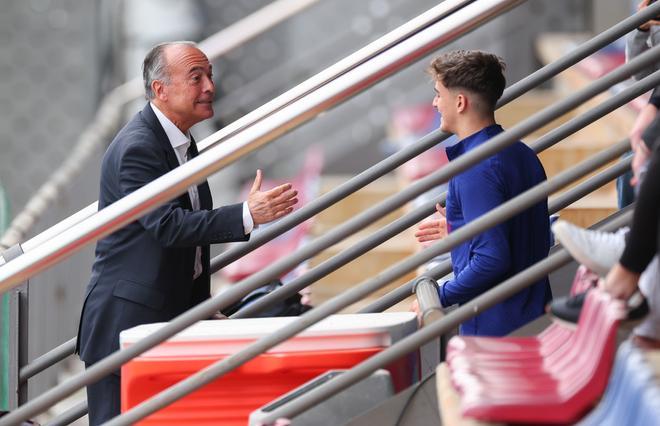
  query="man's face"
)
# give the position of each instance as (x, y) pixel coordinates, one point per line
(445, 102)
(188, 98)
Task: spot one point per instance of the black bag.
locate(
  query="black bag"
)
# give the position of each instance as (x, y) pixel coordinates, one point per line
(289, 307)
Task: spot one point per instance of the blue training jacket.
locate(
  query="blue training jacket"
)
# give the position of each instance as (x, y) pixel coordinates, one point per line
(504, 250)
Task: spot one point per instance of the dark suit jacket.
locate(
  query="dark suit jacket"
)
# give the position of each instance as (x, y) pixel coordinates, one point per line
(143, 273)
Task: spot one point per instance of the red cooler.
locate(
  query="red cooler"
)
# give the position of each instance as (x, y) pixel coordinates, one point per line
(338, 342)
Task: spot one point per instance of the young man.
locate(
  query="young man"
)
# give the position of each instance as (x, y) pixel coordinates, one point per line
(467, 86)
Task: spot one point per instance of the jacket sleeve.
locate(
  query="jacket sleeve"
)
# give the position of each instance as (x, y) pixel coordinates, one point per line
(171, 224)
(480, 191)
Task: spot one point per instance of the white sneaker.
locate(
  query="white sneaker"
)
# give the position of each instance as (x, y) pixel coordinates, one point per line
(598, 251)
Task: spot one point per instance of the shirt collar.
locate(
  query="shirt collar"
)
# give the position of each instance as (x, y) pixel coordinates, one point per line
(473, 140)
(174, 134)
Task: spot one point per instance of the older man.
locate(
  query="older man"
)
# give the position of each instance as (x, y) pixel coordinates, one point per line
(158, 266)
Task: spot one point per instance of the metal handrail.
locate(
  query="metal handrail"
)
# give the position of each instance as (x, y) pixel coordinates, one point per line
(108, 118)
(340, 68)
(194, 171)
(403, 292)
(46, 360)
(454, 318)
(531, 81)
(178, 180)
(426, 209)
(70, 415)
(494, 217)
(336, 194)
(567, 198)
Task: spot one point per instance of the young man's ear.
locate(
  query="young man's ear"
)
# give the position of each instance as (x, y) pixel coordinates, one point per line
(461, 103)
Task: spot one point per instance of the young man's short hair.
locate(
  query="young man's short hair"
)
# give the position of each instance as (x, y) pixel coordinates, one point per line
(478, 72)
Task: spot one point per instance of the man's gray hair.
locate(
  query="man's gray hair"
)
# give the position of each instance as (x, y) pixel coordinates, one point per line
(155, 66)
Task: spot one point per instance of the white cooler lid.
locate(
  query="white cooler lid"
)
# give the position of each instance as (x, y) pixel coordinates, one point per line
(223, 337)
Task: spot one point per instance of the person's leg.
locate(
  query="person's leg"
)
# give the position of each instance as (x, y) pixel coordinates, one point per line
(103, 399)
(647, 334)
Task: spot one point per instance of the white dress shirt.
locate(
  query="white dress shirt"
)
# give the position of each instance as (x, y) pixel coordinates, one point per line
(181, 142)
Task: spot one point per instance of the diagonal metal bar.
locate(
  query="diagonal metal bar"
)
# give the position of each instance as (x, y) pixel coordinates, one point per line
(428, 208)
(523, 86)
(567, 198)
(494, 217)
(178, 180)
(493, 296)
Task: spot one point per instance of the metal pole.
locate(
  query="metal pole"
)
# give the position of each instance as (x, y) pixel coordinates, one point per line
(18, 334)
(567, 198)
(70, 415)
(178, 180)
(108, 117)
(48, 359)
(341, 259)
(494, 217)
(589, 185)
(530, 82)
(426, 290)
(428, 208)
(406, 290)
(493, 296)
(66, 349)
(430, 308)
(244, 30)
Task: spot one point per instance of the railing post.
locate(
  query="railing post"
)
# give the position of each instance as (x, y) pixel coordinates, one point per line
(18, 334)
(430, 308)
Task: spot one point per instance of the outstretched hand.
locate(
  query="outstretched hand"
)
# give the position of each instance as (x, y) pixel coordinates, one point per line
(266, 206)
(433, 229)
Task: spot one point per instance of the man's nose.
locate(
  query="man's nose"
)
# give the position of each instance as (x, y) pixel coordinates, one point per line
(209, 86)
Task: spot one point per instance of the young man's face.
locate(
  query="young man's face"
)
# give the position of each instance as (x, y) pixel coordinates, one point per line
(445, 102)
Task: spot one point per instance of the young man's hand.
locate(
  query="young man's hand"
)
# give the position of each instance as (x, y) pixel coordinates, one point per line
(433, 228)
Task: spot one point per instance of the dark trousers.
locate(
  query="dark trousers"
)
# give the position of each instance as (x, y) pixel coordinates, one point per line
(103, 398)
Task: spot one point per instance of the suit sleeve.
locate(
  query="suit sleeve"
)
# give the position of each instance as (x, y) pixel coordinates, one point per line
(489, 255)
(171, 224)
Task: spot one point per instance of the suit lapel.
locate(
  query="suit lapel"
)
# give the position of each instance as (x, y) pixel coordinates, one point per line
(164, 141)
(161, 136)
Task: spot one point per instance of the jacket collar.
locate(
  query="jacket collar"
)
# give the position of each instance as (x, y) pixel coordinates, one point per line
(473, 141)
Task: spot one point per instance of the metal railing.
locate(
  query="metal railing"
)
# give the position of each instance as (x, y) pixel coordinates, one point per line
(494, 217)
(602, 177)
(108, 118)
(329, 74)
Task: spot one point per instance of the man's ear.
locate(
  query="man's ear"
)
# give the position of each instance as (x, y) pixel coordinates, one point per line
(158, 87)
(461, 103)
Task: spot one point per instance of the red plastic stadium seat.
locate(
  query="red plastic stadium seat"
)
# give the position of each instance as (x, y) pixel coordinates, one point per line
(544, 386)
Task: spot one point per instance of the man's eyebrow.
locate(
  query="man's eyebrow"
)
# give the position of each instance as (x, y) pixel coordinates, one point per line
(200, 68)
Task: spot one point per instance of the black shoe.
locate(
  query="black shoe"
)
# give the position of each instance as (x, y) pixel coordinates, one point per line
(568, 308)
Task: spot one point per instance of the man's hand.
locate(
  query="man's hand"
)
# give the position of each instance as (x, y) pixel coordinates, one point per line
(266, 206)
(433, 229)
